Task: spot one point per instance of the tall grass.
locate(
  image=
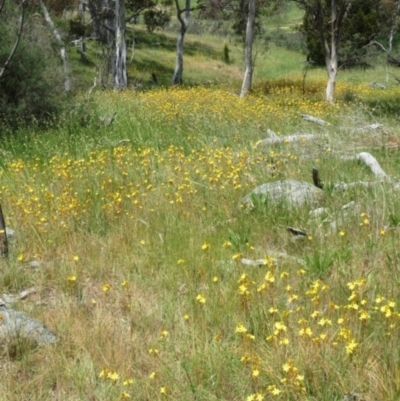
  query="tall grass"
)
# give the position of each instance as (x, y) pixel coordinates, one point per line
(140, 246)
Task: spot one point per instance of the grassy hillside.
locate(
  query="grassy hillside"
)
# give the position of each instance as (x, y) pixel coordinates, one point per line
(141, 244)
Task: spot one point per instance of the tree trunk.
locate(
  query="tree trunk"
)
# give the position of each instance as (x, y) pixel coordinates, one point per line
(120, 80)
(332, 69)
(330, 87)
(98, 10)
(67, 83)
(248, 74)
(82, 46)
(178, 73)
(331, 59)
(3, 236)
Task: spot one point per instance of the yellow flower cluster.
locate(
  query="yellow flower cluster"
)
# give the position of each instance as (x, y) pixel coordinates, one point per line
(314, 321)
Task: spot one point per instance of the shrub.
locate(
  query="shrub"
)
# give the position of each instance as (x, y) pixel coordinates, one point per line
(156, 18)
(30, 86)
(226, 54)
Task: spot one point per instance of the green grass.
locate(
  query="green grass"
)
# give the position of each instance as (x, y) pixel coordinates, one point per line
(141, 243)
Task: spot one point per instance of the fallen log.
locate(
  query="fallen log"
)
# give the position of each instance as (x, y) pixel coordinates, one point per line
(369, 127)
(288, 139)
(275, 256)
(8, 299)
(314, 120)
(377, 85)
(370, 162)
(343, 186)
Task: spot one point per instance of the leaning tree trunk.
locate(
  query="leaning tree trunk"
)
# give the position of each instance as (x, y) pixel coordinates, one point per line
(67, 82)
(248, 74)
(118, 61)
(178, 73)
(13, 50)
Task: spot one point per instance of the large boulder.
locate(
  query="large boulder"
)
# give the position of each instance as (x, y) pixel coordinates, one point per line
(295, 193)
(15, 324)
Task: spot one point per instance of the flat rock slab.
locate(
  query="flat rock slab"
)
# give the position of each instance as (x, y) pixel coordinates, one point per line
(14, 324)
(296, 193)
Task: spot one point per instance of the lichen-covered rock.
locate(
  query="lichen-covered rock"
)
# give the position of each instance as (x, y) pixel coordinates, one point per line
(295, 193)
(17, 324)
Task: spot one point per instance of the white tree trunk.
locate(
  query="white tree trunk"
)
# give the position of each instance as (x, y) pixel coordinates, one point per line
(248, 73)
(332, 68)
(120, 80)
(178, 73)
(331, 60)
(67, 82)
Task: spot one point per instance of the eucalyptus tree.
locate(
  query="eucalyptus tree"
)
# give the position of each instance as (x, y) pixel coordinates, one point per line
(110, 19)
(329, 17)
(247, 18)
(183, 15)
(248, 50)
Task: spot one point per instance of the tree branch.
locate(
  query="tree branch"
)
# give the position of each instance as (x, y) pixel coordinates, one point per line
(374, 42)
(1, 5)
(21, 25)
(135, 14)
(112, 30)
(179, 13)
(191, 9)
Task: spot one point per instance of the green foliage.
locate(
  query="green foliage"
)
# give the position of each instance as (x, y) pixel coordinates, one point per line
(239, 240)
(26, 97)
(156, 18)
(239, 15)
(30, 86)
(319, 262)
(236, 12)
(360, 27)
(385, 106)
(59, 6)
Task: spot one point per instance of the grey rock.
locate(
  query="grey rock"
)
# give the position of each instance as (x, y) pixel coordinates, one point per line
(10, 233)
(296, 193)
(14, 324)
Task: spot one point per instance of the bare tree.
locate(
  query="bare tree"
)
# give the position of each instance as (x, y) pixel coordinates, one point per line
(248, 74)
(17, 40)
(337, 11)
